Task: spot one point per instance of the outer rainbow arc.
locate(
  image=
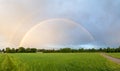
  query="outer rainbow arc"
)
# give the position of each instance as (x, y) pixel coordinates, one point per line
(34, 27)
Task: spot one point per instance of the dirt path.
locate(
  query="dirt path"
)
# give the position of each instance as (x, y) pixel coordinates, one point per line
(116, 60)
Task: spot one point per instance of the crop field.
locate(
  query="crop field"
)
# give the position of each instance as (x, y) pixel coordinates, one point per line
(56, 62)
(116, 55)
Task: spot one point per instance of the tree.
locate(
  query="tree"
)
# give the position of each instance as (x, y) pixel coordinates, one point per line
(13, 50)
(33, 50)
(93, 50)
(108, 49)
(21, 49)
(65, 50)
(28, 50)
(8, 50)
(100, 49)
(81, 50)
(3, 50)
(119, 49)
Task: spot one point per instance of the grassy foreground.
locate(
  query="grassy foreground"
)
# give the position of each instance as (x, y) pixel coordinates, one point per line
(116, 55)
(56, 62)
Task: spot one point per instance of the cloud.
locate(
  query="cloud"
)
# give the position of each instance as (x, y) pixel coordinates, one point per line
(99, 17)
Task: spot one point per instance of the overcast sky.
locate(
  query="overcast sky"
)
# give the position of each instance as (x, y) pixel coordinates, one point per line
(100, 20)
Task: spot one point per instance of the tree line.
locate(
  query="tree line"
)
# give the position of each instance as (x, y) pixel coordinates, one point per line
(62, 50)
(69, 50)
(19, 50)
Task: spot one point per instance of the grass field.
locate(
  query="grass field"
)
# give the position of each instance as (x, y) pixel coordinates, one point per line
(116, 55)
(56, 62)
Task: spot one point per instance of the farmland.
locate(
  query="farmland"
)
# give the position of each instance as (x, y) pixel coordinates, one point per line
(56, 62)
(116, 55)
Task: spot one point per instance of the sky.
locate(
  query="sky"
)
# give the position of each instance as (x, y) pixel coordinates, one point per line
(59, 23)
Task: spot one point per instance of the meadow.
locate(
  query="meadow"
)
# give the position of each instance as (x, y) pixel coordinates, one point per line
(116, 55)
(56, 62)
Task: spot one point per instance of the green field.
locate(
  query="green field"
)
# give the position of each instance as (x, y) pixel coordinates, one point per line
(116, 55)
(56, 62)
